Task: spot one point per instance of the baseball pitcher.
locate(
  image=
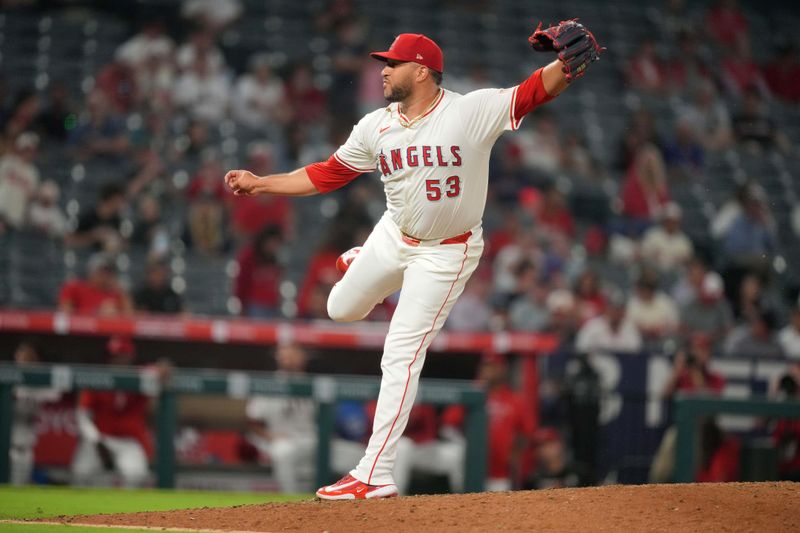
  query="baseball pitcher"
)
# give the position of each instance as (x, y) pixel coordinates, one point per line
(431, 147)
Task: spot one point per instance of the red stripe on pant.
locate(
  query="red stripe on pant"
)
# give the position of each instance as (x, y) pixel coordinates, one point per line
(416, 354)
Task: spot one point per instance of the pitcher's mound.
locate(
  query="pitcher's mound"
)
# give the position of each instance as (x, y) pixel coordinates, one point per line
(756, 507)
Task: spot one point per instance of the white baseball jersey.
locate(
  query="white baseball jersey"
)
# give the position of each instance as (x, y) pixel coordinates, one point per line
(435, 172)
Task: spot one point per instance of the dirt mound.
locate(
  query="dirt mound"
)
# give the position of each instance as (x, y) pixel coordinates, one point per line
(756, 507)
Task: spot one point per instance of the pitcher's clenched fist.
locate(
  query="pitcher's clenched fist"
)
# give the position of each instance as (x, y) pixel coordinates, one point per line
(241, 182)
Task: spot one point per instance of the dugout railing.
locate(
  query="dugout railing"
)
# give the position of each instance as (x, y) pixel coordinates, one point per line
(689, 410)
(325, 390)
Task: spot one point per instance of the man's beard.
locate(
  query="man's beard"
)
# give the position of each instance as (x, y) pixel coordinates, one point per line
(399, 93)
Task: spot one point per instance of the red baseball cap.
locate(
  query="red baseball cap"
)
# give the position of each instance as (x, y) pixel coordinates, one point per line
(414, 47)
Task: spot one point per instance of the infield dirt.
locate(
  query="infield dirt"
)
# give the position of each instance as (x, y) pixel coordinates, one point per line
(752, 507)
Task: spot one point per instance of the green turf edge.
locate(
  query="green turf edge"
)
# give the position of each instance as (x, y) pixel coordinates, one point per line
(43, 502)
(36, 528)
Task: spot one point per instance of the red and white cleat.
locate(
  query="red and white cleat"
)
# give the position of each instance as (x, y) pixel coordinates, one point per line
(344, 260)
(349, 488)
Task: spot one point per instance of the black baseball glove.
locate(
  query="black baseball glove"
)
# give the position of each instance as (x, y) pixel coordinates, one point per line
(576, 46)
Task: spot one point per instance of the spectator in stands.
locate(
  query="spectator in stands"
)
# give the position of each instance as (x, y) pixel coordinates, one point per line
(589, 298)
(553, 215)
(726, 22)
(260, 271)
(21, 116)
(200, 43)
(308, 103)
(151, 40)
(750, 239)
(783, 74)
(212, 15)
(249, 214)
(19, 180)
(740, 73)
(321, 273)
(156, 295)
(553, 469)
(684, 154)
(149, 231)
(113, 428)
(471, 311)
(645, 72)
(560, 306)
(733, 208)
(749, 297)
(100, 131)
(284, 429)
(709, 117)
(150, 55)
(754, 129)
(513, 263)
(27, 403)
(709, 312)
(59, 115)
(259, 98)
(541, 146)
(529, 312)
(510, 423)
(576, 157)
(689, 67)
(640, 131)
(789, 336)
(756, 338)
(691, 374)
(690, 283)
(206, 194)
(347, 57)
(666, 247)
(674, 19)
(117, 81)
(99, 294)
(644, 192)
(44, 213)
(651, 310)
(611, 332)
(99, 228)
(203, 92)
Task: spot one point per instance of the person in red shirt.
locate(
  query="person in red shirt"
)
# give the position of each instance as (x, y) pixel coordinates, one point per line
(113, 428)
(726, 22)
(511, 427)
(690, 374)
(644, 192)
(783, 74)
(720, 455)
(250, 214)
(553, 213)
(260, 273)
(99, 294)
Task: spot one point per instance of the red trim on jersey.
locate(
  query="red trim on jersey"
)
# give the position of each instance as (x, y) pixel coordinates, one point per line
(332, 174)
(528, 95)
(416, 354)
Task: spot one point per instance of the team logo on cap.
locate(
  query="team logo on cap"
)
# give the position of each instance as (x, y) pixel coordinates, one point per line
(419, 56)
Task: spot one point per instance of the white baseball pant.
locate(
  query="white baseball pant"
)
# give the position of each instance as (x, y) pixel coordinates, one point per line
(436, 457)
(130, 462)
(431, 277)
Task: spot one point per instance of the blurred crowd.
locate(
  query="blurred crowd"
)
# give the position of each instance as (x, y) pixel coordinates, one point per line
(594, 250)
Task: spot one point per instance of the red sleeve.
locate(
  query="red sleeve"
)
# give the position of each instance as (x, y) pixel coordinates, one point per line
(530, 95)
(85, 400)
(331, 174)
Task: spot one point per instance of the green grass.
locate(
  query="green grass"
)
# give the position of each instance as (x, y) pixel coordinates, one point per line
(17, 503)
